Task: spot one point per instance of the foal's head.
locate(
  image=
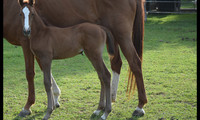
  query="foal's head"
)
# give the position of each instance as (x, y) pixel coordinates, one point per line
(26, 12)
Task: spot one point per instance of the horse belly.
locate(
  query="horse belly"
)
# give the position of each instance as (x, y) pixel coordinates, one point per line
(63, 53)
(70, 12)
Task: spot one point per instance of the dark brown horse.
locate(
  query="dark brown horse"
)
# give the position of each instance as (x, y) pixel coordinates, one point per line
(125, 19)
(49, 42)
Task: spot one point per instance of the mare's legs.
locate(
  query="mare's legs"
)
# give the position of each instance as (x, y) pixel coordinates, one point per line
(104, 77)
(116, 64)
(46, 67)
(134, 61)
(29, 64)
(56, 89)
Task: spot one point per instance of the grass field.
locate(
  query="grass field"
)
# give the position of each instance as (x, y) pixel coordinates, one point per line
(169, 71)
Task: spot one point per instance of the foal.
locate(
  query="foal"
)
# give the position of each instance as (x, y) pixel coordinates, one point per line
(48, 43)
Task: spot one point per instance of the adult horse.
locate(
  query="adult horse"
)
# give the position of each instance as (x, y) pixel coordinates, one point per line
(124, 18)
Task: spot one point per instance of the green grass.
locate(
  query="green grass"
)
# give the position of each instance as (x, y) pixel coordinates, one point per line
(188, 4)
(169, 71)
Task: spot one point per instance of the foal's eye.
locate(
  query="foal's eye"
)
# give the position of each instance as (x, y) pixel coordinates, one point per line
(32, 14)
(20, 14)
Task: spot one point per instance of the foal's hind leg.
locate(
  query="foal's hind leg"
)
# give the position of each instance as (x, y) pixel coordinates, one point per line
(102, 101)
(104, 77)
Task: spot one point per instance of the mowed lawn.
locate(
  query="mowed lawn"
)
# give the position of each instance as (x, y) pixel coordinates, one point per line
(169, 71)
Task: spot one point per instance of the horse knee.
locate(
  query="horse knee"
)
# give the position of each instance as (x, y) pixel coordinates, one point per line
(136, 66)
(116, 65)
(116, 62)
(30, 74)
(47, 85)
(107, 79)
(136, 71)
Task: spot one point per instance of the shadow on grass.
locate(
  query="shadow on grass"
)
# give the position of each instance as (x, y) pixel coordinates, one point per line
(32, 116)
(171, 29)
(95, 117)
(134, 118)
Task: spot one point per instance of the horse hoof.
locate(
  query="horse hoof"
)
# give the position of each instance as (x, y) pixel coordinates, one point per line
(45, 118)
(103, 117)
(97, 112)
(138, 112)
(24, 113)
(113, 101)
(96, 115)
(57, 105)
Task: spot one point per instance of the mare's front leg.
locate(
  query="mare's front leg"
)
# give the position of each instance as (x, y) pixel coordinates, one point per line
(29, 64)
(46, 65)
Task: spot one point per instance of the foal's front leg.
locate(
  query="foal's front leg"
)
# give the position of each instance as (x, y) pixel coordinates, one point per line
(56, 89)
(46, 65)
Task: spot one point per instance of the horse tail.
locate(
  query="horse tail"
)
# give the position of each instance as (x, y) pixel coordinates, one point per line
(137, 38)
(109, 42)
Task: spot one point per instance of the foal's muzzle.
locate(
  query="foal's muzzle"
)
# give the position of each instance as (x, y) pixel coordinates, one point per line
(26, 32)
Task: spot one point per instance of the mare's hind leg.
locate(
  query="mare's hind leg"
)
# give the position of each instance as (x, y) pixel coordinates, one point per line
(134, 61)
(116, 64)
(56, 89)
(104, 77)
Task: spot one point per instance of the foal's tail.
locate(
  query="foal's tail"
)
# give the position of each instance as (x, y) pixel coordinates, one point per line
(137, 37)
(109, 42)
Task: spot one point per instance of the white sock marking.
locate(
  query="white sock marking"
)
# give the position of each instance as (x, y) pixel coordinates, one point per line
(140, 110)
(97, 112)
(56, 90)
(103, 116)
(115, 81)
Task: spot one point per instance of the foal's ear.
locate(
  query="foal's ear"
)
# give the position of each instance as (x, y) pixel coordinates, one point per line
(21, 2)
(31, 2)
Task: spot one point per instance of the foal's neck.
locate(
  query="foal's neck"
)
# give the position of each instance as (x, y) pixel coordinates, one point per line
(38, 25)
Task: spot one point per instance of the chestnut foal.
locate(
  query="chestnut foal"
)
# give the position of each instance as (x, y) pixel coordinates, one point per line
(48, 43)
